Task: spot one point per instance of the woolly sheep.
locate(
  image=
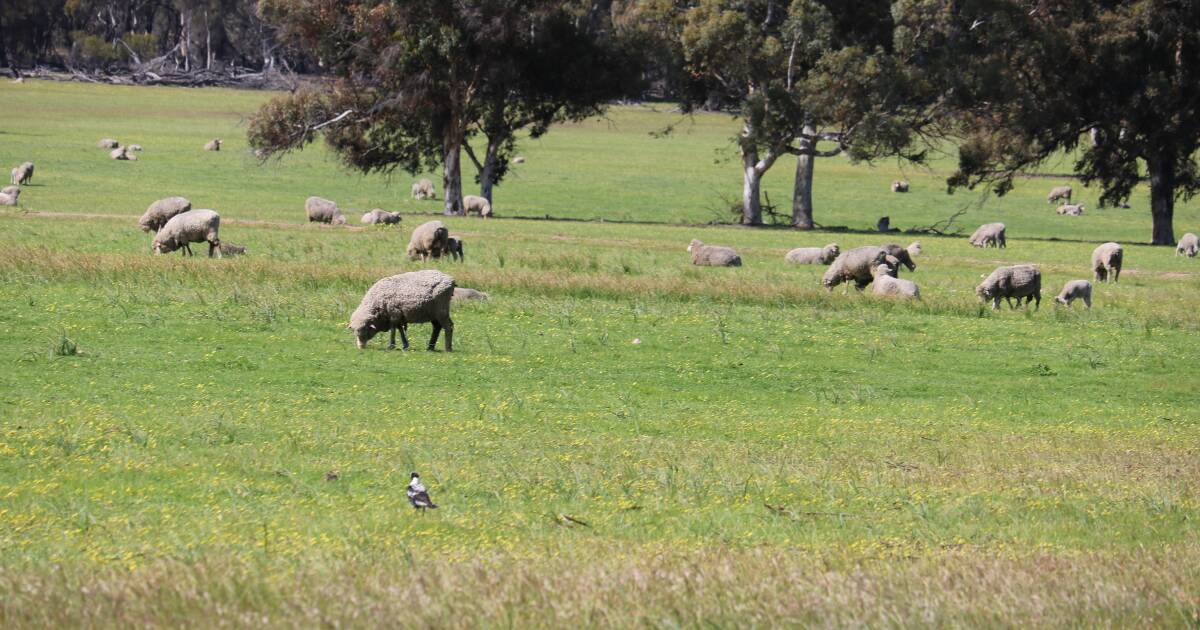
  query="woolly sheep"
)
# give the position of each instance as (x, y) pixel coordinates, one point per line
(193, 226)
(1068, 209)
(904, 254)
(713, 255)
(1059, 193)
(428, 241)
(462, 293)
(108, 143)
(122, 154)
(423, 189)
(23, 174)
(1018, 281)
(454, 247)
(135, 147)
(213, 145)
(8, 190)
(475, 203)
(813, 255)
(859, 265)
(379, 216)
(899, 186)
(518, 160)
(886, 284)
(989, 234)
(1075, 290)
(161, 211)
(323, 211)
(9, 198)
(1106, 262)
(1188, 246)
(229, 249)
(394, 302)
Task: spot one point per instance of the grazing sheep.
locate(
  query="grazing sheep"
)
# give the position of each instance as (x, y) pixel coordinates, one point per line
(1068, 209)
(813, 255)
(858, 265)
(135, 147)
(193, 226)
(1106, 262)
(229, 249)
(1188, 246)
(713, 255)
(1059, 193)
(108, 143)
(9, 198)
(989, 234)
(887, 284)
(379, 216)
(213, 145)
(480, 205)
(904, 254)
(22, 174)
(899, 186)
(1018, 281)
(428, 241)
(462, 293)
(161, 211)
(409, 298)
(323, 211)
(454, 247)
(1073, 290)
(423, 189)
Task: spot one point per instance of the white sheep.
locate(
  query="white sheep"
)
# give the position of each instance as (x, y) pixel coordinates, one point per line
(454, 247)
(379, 216)
(321, 210)
(713, 255)
(518, 160)
(899, 186)
(477, 204)
(1106, 262)
(108, 143)
(213, 145)
(859, 265)
(135, 147)
(813, 255)
(22, 174)
(1069, 209)
(394, 302)
(423, 189)
(1188, 246)
(10, 198)
(887, 284)
(463, 293)
(9, 190)
(193, 226)
(989, 234)
(1059, 193)
(161, 211)
(122, 153)
(1075, 290)
(904, 254)
(428, 241)
(1017, 281)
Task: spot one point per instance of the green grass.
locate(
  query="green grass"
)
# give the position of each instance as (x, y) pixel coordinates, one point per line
(769, 453)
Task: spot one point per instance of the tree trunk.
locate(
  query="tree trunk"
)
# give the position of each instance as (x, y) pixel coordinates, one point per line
(452, 170)
(802, 205)
(1162, 198)
(751, 186)
(487, 174)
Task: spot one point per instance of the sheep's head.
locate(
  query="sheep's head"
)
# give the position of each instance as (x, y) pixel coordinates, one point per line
(365, 325)
(883, 270)
(161, 247)
(339, 220)
(1060, 300)
(984, 291)
(694, 244)
(832, 251)
(914, 248)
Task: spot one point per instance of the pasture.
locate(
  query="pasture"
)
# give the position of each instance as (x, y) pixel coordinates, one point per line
(186, 439)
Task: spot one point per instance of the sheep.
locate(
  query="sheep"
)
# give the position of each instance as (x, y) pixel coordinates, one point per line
(323, 211)
(9, 198)
(8, 190)
(428, 241)
(1059, 193)
(813, 255)
(213, 145)
(989, 234)
(108, 143)
(462, 293)
(423, 189)
(454, 247)
(193, 226)
(229, 249)
(161, 211)
(858, 265)
(518, 160)
(1073, 210)
(379, 216)
(134, 147)
(713, 255)
(1073, 290)
(904, 254)
(1018, 281)
(1106, 262)
(887, 284)
(899, 186)
(1188, 246)
(22, 174)
(394, 302)
(122, 154)
(475, 203)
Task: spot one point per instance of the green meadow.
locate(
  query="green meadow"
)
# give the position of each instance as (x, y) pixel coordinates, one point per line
(619, 439)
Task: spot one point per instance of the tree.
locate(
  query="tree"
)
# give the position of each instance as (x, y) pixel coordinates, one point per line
(1032, 80)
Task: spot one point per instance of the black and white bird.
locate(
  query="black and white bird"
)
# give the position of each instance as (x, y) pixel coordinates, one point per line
(417, 494)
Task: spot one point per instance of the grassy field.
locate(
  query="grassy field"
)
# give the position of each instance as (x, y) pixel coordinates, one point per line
(190, 441)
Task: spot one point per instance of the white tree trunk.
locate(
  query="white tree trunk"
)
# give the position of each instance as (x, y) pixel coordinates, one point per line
(751, 189)
(802, 204)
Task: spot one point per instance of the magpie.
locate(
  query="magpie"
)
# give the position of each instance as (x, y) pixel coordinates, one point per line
(417, 494)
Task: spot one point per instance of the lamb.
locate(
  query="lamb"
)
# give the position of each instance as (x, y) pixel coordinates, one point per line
(899, 186)
(713, 255)
(1074, 290)
(454, 247)
(475, 203)
(989, 234)
(193, 226)
(229, 249)
(9, 198)
(1106, 262)
(1073, 210)
(323, 211)
(1018, 281)
(423, 189)
(904, 254)
(462, 293)
(408, 298)
(213, 145)
(886, 284)
(858, 265)
(161, 211)
(1188, 246)
(1059, 193)
(428, 241)
(108, 143)
(22, 174)
(813, 255)
(379, 216)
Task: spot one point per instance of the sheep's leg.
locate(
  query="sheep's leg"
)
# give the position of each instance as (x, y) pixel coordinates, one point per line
(1087, 299)
(1037, 301)
(449, 326)
(1116, 274)
(392, 340)
(214, 246)
(437, 328)
(996, 303)
(404, 337)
